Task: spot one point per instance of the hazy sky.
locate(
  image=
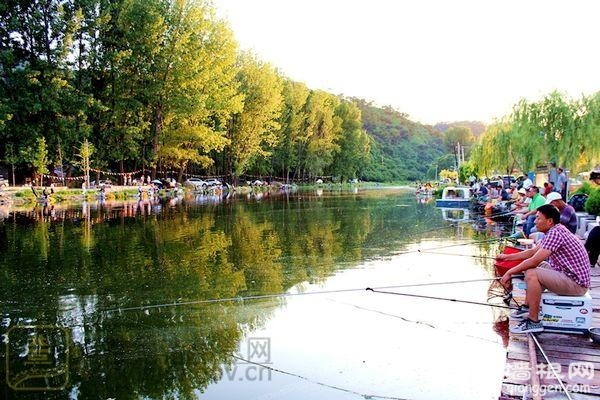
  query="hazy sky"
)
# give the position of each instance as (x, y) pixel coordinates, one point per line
(436, 60)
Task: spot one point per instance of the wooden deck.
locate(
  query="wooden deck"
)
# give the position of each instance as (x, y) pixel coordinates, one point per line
(563, 350)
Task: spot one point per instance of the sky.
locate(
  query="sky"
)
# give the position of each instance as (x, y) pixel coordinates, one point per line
(435, 60)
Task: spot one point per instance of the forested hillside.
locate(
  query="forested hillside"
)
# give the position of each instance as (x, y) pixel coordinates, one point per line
(476, 127)
(400, 149)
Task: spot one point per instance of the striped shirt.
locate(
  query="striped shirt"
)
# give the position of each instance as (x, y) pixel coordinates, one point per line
(567, 254)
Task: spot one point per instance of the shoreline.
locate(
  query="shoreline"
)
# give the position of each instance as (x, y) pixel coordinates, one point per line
(24, 195)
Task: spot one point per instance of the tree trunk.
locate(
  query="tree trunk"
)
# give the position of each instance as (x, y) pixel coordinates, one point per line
(158, 126)
(121, 168)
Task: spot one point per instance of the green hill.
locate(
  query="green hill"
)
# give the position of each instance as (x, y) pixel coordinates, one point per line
(476, 127)
(400, 149)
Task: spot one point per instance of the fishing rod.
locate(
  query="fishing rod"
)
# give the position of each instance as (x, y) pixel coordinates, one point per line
(451, 245)
(421, 296)
(551, 366)
(278, 295)
(459, 255)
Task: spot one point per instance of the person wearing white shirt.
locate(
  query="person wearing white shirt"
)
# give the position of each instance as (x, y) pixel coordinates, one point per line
(527, 182)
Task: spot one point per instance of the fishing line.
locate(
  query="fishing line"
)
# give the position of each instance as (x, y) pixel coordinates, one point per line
(496, 214)
(438, 298)
(492, 240)
(452, 225)
(365, 396)
(459, 255)
(277, 295)
(539, 346)
(385, 313)
(422, 322)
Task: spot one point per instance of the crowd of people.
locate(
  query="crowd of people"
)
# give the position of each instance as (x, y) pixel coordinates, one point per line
(559, 260)
(559, 263)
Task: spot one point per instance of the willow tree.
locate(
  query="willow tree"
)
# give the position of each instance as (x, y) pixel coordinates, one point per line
(514, 142)
(483, 155)
(588, 133)
(553, 129)
(550, 130)
(253, 130)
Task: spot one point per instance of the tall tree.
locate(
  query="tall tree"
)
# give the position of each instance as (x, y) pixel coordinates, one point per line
(185, 59)
(37, 98)
(459, 136)
(353, 141)
(285, 157)
(253, 131)
(319, 139)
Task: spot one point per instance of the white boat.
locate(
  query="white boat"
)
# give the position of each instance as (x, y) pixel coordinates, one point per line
(456, 214)
(455, 197)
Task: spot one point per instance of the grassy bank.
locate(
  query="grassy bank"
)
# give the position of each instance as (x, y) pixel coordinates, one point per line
(19, 196)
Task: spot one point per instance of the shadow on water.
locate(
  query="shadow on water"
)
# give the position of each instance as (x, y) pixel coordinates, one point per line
(104, 299)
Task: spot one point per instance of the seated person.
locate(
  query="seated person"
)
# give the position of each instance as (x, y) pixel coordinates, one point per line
(483, 191)
(592, 245)
(522, 202)
(504, 195)
(537, 200)
(568, 216)
(493, 192)
(558, 263)
(548, 188)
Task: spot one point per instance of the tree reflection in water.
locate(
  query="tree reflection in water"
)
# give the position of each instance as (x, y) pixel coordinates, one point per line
(76, 267)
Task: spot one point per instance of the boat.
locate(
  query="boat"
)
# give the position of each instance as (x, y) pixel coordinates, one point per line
(455, 214)
(455, 197)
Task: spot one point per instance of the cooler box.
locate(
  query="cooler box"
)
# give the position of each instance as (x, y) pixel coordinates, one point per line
(566, 313)
(571, 314)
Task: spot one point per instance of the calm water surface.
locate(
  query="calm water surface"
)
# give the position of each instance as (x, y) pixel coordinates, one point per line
(171, 300)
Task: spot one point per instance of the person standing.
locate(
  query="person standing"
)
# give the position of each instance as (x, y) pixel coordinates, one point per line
(552, 174)
(561, 183)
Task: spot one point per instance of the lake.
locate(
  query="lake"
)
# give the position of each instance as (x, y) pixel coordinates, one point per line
(252, 297)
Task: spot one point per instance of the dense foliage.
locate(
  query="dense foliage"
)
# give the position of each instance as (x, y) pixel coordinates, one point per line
(554, 129)
(158, 85)
(401, 149)
(592, 204)
(476, 127)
